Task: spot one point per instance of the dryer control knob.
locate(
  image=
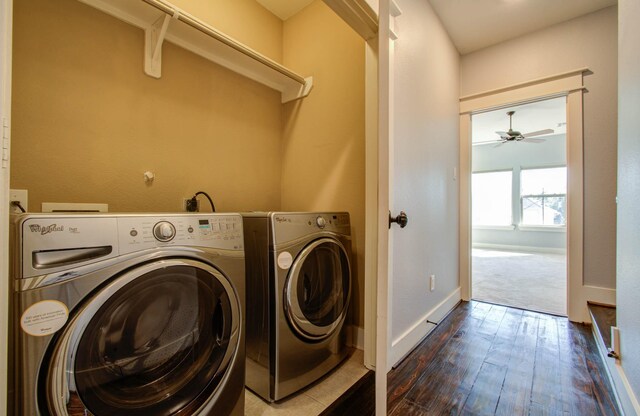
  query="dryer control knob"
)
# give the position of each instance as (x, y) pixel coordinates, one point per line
(321, 222)
(164, 231)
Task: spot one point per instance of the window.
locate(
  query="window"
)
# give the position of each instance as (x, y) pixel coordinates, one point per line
(543, 196)
(491, 198)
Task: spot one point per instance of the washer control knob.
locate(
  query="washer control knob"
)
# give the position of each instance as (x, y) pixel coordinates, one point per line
(164, 231)
(320, 222)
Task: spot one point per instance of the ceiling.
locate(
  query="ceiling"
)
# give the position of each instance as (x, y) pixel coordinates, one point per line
(284, 9)
(476, 24)
(541, 115)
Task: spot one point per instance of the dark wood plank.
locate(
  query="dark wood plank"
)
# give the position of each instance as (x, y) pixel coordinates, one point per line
(406, 375)
(360, 399)
(449, 378)
(492, 321)
(604, 397)
(484, 395)
(604, 317)
(407, 408)
(515, 393)
(545, 389)
(489, 359)
(574, 377)
(540, 410)
(503, 343)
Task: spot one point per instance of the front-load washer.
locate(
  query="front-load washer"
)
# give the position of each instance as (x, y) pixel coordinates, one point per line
(298, 289)
(131, 314)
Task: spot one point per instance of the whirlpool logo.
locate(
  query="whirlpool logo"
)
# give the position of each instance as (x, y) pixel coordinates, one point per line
(46, 229)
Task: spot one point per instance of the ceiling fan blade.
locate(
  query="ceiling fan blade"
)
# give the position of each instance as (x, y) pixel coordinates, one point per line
(485, 142)
(500, 144)
(531, 140)
(502, 133)
(537, 133)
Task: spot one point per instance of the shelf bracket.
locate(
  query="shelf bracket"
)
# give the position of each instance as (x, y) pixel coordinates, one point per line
(297, 93)
(153, 39)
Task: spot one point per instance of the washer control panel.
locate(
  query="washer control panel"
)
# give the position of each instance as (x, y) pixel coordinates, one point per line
(163, 231)
(55, 242)
(223, 231)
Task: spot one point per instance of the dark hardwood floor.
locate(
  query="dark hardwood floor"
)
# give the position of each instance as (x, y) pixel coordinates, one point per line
(359, 400)
(604, 317)
(487, 359)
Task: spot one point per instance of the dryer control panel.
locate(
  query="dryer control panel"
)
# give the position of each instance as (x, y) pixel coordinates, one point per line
(289, 226)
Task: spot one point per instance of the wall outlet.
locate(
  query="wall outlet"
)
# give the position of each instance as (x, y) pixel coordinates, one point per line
(432, 282)
(21, 196)
(186, 205)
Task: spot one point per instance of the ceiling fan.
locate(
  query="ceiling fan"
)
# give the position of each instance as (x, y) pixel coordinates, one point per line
(516, 136)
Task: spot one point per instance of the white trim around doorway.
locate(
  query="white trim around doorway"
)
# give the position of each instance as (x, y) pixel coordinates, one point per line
(568, 84)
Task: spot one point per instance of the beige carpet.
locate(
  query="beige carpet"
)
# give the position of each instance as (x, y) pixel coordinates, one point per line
(534, 281)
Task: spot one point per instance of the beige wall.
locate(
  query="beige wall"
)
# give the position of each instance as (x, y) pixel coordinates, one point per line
(244, 20)
(589, 41)
(87, 122)
(323, 142)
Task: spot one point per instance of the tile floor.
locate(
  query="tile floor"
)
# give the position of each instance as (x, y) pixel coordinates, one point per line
(315, 399)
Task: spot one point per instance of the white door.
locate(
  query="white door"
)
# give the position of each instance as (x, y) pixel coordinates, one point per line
(418, 92)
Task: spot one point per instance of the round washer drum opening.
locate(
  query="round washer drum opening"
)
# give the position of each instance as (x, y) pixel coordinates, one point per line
(157, 345)
(317, 289)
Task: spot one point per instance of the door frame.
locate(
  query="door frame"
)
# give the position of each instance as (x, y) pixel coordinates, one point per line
(569, 84)
(6, 23)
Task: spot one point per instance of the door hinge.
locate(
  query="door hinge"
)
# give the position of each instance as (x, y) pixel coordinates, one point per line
(5, 143)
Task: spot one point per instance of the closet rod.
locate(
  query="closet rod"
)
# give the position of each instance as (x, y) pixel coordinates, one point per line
(209, 31)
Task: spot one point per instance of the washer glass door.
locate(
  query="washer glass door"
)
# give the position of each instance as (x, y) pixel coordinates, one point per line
(317, 289)
(156, 341)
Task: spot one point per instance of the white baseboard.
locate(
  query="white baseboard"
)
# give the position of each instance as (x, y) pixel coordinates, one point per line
(355, 337)
(406, 342)
(529, 249)
(601, 295)
(626, 398)
(577, 309)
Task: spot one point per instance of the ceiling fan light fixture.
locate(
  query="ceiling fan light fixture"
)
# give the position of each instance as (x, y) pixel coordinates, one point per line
(515, 135)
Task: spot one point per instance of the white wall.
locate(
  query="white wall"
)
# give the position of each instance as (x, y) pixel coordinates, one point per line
(628, 260)
(425, 152)
(589, 41)
(515, 156)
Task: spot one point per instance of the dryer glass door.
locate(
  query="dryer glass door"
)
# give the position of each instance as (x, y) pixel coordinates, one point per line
(317, 289)
(156, 341)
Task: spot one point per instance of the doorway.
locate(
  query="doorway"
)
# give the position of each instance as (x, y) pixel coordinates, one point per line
(519, 206)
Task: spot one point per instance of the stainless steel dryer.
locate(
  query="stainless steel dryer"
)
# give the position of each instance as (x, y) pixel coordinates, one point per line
(298, 289)
(138, 314)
